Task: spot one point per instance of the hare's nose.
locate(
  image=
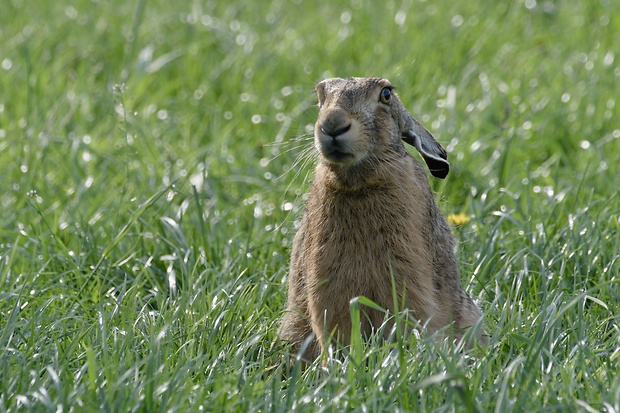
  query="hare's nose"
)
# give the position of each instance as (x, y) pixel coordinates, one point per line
(334, 130)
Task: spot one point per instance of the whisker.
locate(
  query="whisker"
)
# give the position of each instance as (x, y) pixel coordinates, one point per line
(299, 138)
(291, 149)
(304, 159)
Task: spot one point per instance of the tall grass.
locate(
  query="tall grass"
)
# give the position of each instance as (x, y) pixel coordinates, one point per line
(154, 157)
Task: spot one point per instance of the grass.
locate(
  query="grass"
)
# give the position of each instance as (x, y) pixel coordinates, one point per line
(150, 188)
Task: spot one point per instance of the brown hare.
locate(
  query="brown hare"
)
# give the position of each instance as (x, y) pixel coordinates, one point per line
(371, 218)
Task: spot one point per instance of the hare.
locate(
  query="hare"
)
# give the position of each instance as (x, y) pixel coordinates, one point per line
(371, 218)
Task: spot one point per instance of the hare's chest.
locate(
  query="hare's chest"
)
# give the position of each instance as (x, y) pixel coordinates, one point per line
(360, 240)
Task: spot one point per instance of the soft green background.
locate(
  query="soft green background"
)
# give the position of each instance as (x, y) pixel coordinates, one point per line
(153, 158)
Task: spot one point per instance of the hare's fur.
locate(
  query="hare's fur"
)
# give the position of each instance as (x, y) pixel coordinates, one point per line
(370, 219)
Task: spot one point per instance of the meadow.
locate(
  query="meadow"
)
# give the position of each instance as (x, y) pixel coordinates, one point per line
(152, 171)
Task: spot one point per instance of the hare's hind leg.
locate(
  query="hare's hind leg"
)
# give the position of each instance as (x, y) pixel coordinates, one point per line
(467, 316)
(297, 330)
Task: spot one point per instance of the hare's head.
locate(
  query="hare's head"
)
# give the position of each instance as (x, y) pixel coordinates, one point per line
(362, 119)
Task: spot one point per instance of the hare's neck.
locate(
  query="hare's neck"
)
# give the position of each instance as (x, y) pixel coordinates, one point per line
(358, 177)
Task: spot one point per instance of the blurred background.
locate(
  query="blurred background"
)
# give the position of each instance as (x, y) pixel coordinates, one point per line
(154, 157)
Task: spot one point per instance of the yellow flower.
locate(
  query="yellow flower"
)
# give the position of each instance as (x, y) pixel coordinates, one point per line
(458, 219)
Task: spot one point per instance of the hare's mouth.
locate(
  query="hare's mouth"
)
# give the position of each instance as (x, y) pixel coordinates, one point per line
(340, 157)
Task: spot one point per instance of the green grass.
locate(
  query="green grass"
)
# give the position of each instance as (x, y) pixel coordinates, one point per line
(149, 192)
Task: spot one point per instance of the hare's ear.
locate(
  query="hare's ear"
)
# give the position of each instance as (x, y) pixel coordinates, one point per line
(416, 135)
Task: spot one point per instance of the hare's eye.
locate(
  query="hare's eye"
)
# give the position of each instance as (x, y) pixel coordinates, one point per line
(386, 94)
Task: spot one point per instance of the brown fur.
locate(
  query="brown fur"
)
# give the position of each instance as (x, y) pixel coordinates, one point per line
(371, 216)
